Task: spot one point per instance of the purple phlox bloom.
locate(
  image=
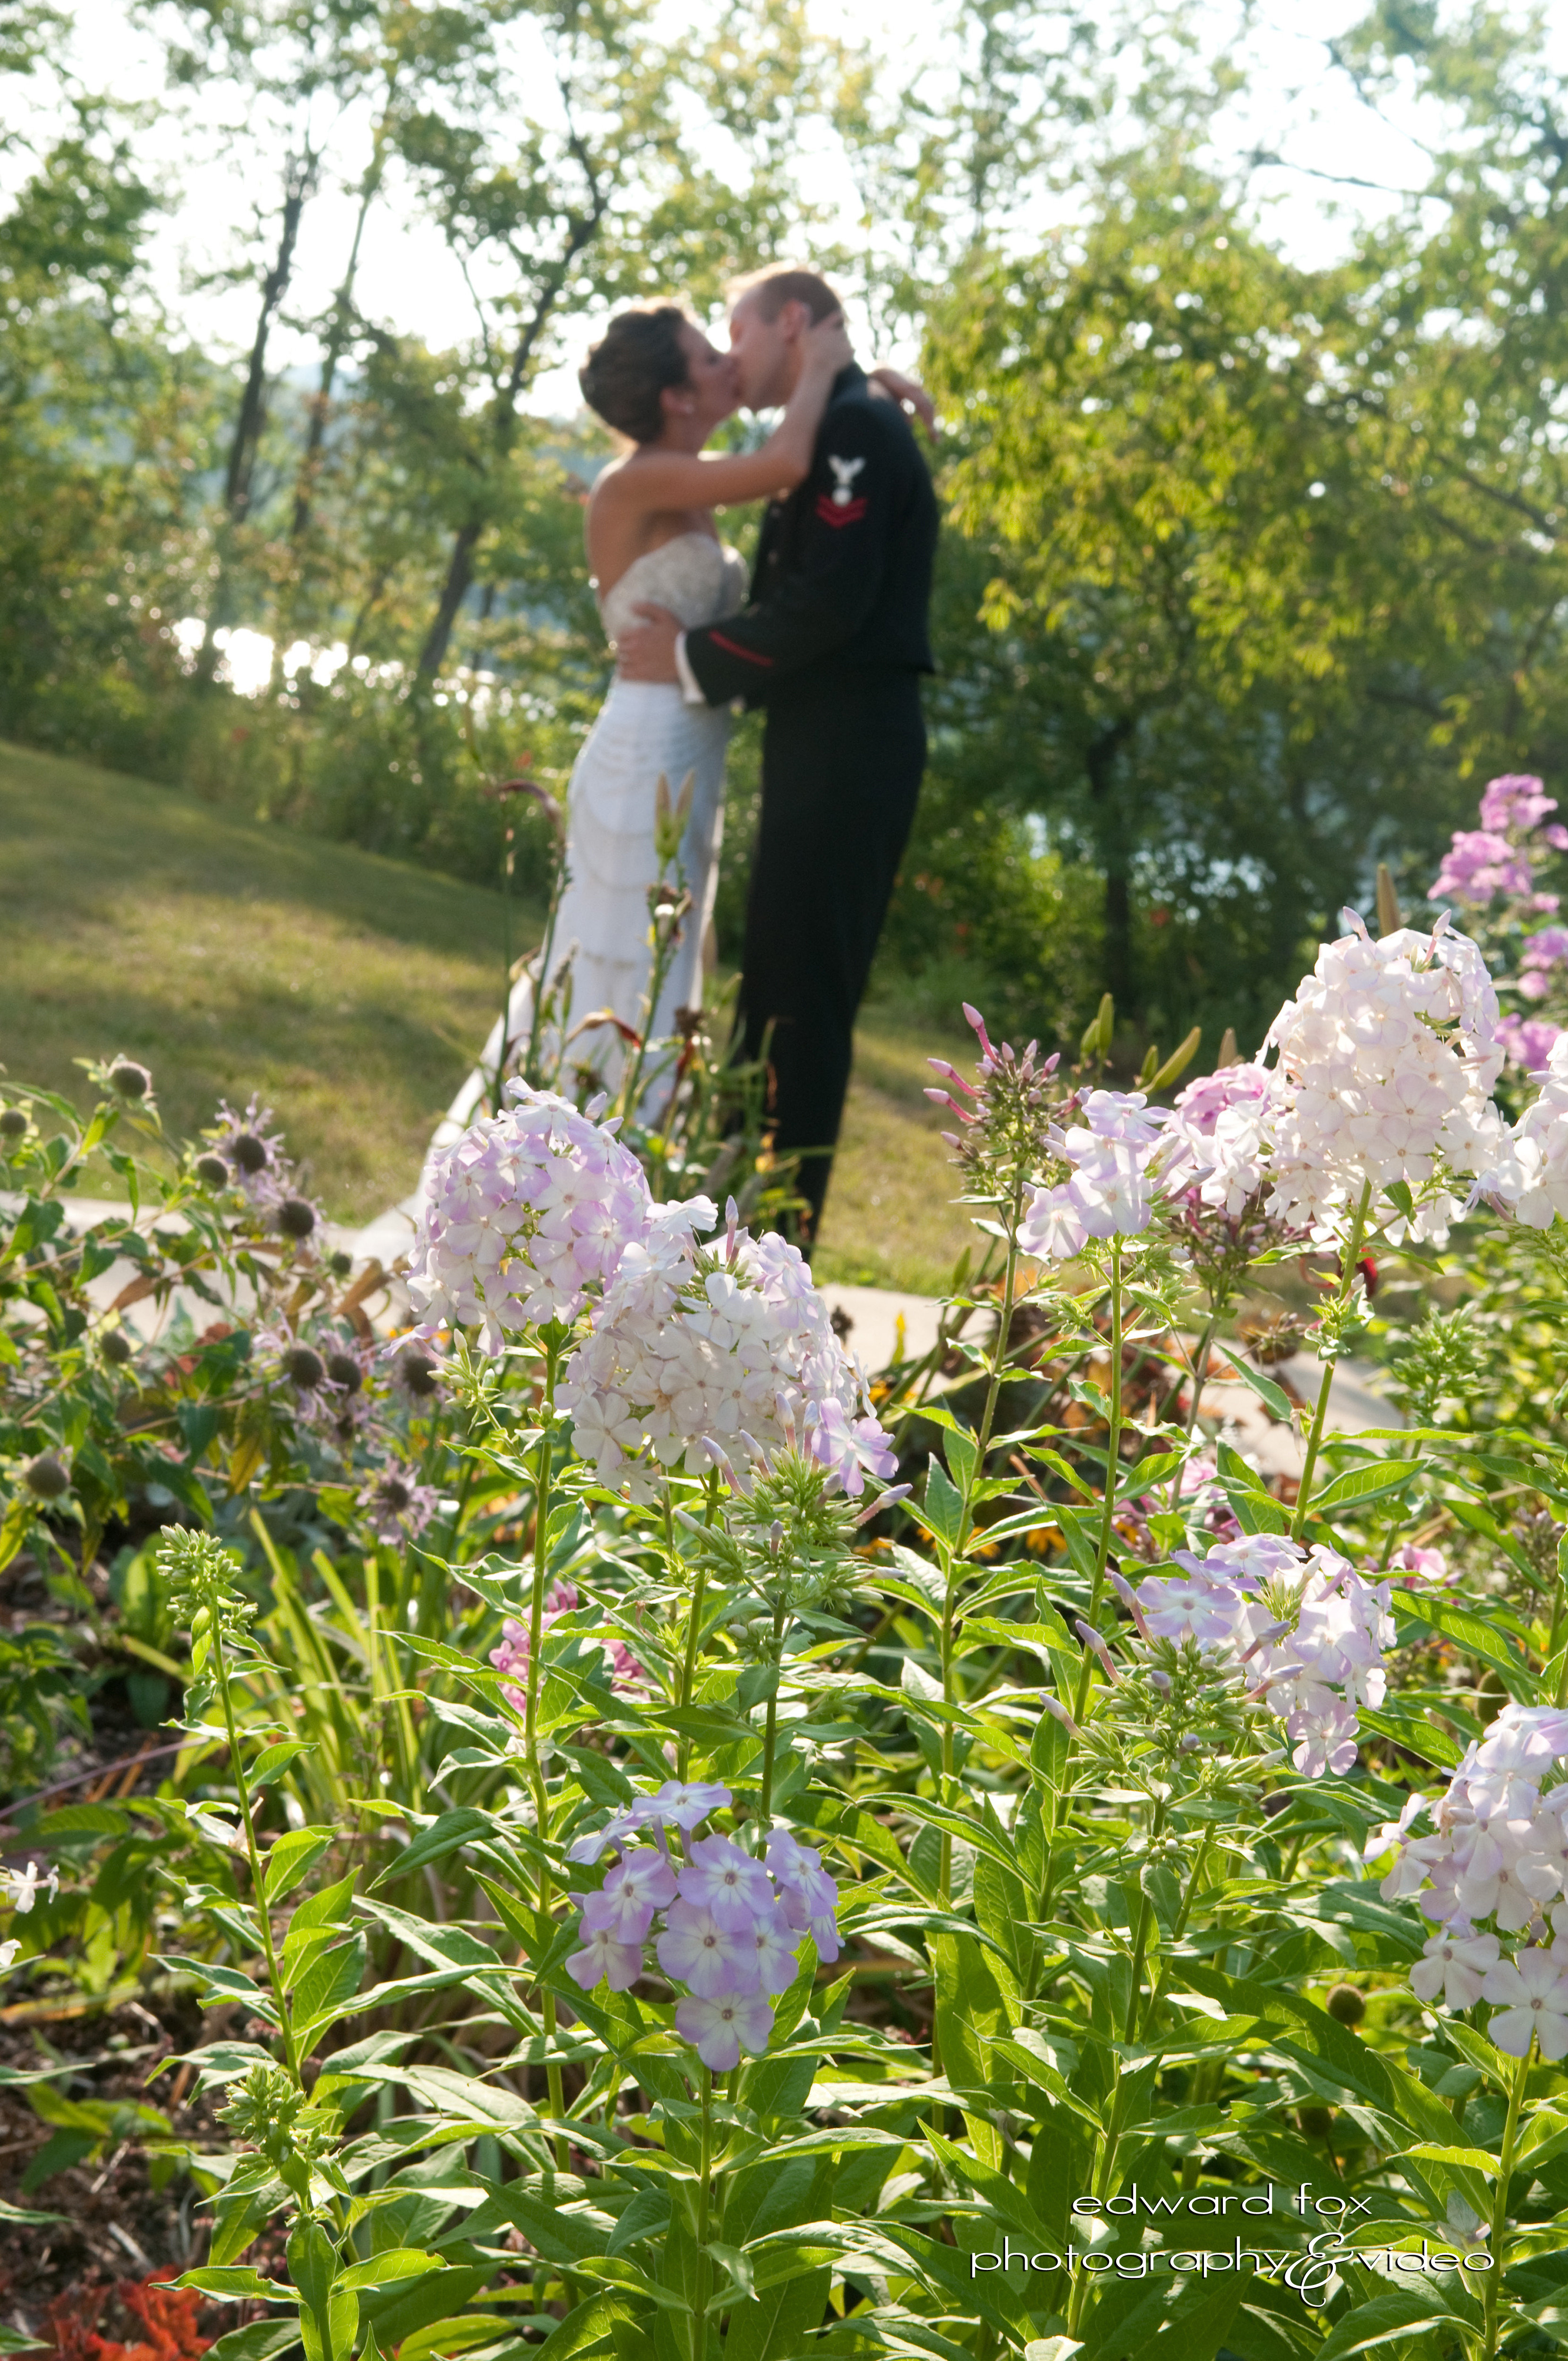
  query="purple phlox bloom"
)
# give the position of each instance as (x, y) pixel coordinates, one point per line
(615, 1914)
(615, 1831)
(1190, 1605)
(824, 1933)
(776, 1943)
(605, 1958)
(511, 1656)
(680, 1803)
(1515, 800)
(720, 1878)
(641, 1880)
(708, 1956)
(720, 2026)
(1410, 1565)
(1480, 864)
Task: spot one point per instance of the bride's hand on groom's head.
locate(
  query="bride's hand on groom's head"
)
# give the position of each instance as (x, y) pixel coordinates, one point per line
(908, 392)
(648, 651)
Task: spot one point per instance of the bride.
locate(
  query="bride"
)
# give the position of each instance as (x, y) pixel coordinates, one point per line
(658, 381)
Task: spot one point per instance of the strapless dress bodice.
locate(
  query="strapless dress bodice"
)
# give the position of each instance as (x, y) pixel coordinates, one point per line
(696, 576)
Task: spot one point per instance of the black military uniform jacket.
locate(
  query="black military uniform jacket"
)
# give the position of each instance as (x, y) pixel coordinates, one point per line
(842, 580)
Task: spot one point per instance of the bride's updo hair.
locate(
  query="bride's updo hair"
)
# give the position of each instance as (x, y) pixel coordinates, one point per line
(638, 356)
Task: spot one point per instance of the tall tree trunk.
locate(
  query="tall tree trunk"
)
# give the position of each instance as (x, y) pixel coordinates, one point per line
(338, 339)
(583, 229)
(1115, 854)
(299, 179)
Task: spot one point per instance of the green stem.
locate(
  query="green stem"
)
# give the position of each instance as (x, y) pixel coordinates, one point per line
(1200, 1363)
(771, 1727)
(1350, 1261)
(694, 1628)
(544, 1465)
(1501, 2203)
(258, 1885)
(966, 1516)
(699, 2309)
(1113, 1474)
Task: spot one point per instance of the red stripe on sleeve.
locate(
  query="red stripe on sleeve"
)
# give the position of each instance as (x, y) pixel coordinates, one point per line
(733, 648)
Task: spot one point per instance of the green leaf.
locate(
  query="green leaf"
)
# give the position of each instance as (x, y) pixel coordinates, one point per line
(942, 1505)
(444, 1836)
(1358, 1485)
(236, 2282)
(1274, 1397)
(294, 1854)
(1386, 2320)
(384, 2270)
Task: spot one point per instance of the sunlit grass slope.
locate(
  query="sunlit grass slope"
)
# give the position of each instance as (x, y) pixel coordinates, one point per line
(350, 991)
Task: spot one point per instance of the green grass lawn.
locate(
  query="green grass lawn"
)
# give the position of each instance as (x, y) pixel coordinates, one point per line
(350, 991)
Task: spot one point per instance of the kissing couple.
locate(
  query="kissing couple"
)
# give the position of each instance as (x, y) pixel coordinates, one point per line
(830, 638)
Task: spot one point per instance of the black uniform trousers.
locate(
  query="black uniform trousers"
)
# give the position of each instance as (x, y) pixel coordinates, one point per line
(842, 757)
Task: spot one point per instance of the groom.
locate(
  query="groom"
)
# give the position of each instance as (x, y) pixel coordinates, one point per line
(832, 646)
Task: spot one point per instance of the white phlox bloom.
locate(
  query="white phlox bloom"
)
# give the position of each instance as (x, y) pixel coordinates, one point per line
(1111, 1191)
(528, 1213)
(716, 1357)
(1529, 1993)
(1499, 1851)
(1455, 1964)
(1304, 1625)
(1216, 1139)
(1538, 1187)
(19, 1887)
(1386, 1061)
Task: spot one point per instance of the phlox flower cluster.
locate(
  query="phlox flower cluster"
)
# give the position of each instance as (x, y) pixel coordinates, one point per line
(1113, 1190)
(1498, 1851)
(1386, 1059)
(1540, 1183)
(1215, 1145)
(511, 1656)
(717, 1356)
(527, 1214)
(727, 1927)
(1005, 1112)
(1308, 1628)
(1501, 862)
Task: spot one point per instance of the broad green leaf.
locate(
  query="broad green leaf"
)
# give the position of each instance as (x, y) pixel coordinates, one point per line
(291, 1856)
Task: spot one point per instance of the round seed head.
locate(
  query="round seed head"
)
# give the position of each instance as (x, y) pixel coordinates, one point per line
(246, 1153)
(417, 1371)
(1316, 2122)
(45, 1477)
(344, 1371)
(339, 1263)
(128, 1081)
(212, 1171)
(1347, 2004)
(296, 1217)
(13, 1122)
(303, 1368)
(116, 1347)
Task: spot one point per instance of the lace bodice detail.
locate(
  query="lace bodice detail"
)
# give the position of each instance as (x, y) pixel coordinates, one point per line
(695, 575)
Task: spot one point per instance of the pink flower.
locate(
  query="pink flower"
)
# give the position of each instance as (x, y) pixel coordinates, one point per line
(1546, 948)
(1052, 1226)
(605, 1959)
(720, 2026)
(398, 1507)
(711, 1959)
(1517, 799)
(1189, 1606)
(1418, 1565)
(1479, 865)
(720, 1878)
(1527, 1040)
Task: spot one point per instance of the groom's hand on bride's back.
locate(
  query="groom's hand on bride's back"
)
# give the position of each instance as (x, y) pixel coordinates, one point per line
(648, 653)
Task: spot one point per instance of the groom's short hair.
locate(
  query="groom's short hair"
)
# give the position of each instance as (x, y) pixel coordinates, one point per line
(771, 289)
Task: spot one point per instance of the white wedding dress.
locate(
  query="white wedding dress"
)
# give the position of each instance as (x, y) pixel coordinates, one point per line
(644, 728)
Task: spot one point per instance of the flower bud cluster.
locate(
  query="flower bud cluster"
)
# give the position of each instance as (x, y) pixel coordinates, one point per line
(1006, 1114)
(727, 1927)
(721, 1357)
(1309, 1630)
(1498, 1851)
